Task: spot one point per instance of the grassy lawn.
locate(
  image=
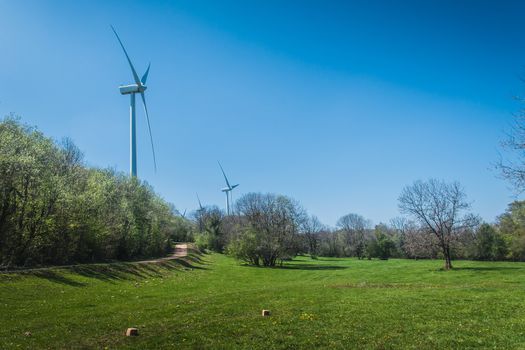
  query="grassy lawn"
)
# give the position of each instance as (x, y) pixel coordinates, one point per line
(216, 303)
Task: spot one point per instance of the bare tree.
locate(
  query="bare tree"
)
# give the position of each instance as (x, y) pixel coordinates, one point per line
(438, 207)
(312, 228)
(514, 171)
(355, 229)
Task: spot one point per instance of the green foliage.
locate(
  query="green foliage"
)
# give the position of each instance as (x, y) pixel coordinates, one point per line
(183, 230)
(55, 210)
(204, 241)
(245, 247)
(383, 246)
(268, 228)
(511, 226)
(489, 244)
(315, 304)
(210, 221)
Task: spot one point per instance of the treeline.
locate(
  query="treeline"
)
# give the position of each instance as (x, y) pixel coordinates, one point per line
(56, 210)
(267, 229)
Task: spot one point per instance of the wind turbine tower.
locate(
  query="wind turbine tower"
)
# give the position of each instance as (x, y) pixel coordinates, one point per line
(138, 88)
(228, 191)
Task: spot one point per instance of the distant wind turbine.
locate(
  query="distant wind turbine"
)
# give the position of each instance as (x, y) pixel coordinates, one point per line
(199, 200)
(200, 214)
(138, 87)
(228, 190)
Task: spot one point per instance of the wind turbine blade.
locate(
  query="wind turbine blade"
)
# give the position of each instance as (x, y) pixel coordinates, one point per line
(145, 76)
(149, 129)
(225, 178)
(199, 200)
(135, 76)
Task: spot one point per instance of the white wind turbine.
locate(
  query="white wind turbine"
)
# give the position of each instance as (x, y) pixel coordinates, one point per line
(228, 190)
(138, 88)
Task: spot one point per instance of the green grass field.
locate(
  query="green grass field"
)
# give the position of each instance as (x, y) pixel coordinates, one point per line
(216, 303)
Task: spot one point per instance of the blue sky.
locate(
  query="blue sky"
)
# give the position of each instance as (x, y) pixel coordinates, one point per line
(337, 104)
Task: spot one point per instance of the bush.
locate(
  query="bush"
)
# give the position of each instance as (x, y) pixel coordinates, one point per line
(245, 248)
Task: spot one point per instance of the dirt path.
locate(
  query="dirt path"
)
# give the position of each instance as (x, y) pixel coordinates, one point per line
(181, 250)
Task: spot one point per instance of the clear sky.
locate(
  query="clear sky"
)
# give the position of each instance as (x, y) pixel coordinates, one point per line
(338, 104)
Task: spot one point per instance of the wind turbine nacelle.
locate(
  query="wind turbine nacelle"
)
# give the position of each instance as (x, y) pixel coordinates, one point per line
(132, 89)
(226, 189)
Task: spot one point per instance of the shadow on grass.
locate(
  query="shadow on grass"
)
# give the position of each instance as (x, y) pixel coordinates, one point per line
(486, 268)
(311, 267)
(56, 277)
(306, 267)
(110, 272)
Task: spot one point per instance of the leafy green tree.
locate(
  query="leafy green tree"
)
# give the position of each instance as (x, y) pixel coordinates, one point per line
(511, 226)
(489, 244)
(383, 245)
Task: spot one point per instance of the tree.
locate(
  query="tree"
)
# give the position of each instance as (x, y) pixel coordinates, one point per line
(182, 229)
(514, 171)
(311, 228)
(382, 246)
(511, 226)
(210, 220)
(56, 210)
(439, 208)
(268, 228)
(489, 245)
(355, 229)
(414, 241)
(331, 243)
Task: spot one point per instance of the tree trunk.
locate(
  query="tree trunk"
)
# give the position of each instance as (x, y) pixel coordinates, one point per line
(448, 260)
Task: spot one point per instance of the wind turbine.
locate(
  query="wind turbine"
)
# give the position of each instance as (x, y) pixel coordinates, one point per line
(228, 189)
(138, 88)
(200, 213)
(200, 204)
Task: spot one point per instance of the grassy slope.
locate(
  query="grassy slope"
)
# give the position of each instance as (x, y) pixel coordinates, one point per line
(330, 303)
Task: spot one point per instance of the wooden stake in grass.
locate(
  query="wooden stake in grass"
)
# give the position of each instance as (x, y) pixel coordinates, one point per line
(266, 313)
(131, 332)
